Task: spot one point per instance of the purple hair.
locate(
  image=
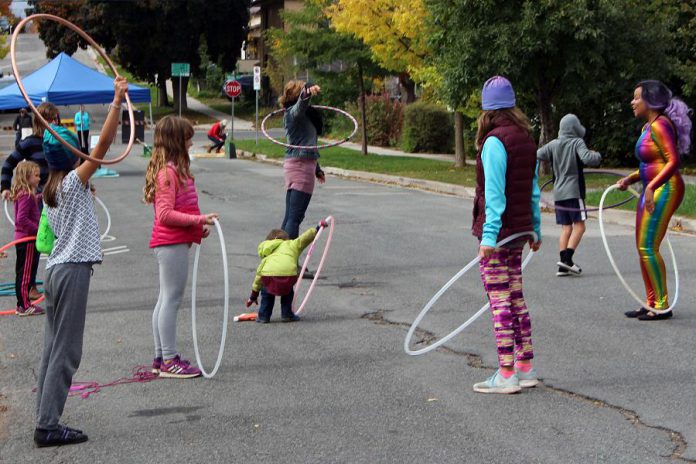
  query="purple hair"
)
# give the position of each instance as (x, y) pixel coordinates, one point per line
(658, 97)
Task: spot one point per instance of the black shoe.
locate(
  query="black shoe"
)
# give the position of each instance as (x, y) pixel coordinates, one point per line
(562, 272)
(261, 320)
(61, 436)
(652, 316)
(293, 318)
(636, 313)
(308, 274)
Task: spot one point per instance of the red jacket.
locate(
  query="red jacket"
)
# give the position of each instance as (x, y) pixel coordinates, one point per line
(216, 131)
(27, 215)
(177, 216)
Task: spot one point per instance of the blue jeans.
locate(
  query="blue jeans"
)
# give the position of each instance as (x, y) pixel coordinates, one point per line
(296, 204)
(217, 143)
(268, 300)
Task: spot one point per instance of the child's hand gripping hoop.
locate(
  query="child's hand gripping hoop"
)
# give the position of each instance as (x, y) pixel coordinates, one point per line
(98, 49)
(616, 268)
(546, 204)
(311, 147)
(226, 308)
(433, 300)
(330, 221)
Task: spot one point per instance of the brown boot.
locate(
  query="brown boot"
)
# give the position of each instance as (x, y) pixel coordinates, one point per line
(34, 294)
(210, 148)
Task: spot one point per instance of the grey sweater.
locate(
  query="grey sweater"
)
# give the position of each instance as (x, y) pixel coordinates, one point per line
(568, 154)
(299, 129)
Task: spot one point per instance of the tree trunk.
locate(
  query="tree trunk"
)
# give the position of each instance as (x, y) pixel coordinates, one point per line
(547, 130)
(162, 99)
(408, 88)
(183, 81)
(363, 113)
(459, 154)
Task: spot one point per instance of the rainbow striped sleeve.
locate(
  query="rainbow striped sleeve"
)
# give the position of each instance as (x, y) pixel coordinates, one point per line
(662, 133)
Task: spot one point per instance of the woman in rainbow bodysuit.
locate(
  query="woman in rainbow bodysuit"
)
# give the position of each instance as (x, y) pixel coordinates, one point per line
(664, 137)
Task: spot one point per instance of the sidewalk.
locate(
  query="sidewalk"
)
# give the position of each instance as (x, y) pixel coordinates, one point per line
(196, 105)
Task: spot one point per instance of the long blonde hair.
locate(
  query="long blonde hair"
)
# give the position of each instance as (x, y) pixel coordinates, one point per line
(171, 135)
(49, 112)
(488, 119)
(291, 92)
(20, 179)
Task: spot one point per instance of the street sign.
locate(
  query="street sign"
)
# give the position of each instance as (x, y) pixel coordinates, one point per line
(181, 69)
(232, 88)
(257, 77)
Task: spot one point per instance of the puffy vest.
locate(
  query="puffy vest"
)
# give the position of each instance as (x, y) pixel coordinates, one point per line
(186, 201)
(521, 165)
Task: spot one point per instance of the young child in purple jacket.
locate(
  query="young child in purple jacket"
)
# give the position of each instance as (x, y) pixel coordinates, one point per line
(27, 214)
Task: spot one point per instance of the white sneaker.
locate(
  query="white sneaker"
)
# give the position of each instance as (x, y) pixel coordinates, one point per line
(575, 269)
(499, 384)
(527, 379)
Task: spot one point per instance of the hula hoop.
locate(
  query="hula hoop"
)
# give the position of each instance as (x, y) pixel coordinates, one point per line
(311, 147)
(225, 309)
(588, 210)
(444, 288)
(90, 41)
(330, 220)
(15, 242)
(108, 218)
(7, 213)
(616, 268)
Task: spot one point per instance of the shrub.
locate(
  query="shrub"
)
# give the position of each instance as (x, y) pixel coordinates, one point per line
(427, 128)
(384, 120)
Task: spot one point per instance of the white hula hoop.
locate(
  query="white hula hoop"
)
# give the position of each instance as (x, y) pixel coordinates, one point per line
(616, 268)
(226, 308)
(108, 219)
(7, 213)
(433, 300)
(329, 220)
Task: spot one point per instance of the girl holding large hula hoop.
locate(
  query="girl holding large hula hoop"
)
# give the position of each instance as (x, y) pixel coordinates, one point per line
(506, 203)
(70, 210)
(178, 224)
(301, 167)
(664, 136)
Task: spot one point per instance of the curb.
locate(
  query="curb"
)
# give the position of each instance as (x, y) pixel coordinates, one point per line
(679, 224)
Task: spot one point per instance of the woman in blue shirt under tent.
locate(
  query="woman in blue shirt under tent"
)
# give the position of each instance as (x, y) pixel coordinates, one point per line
(82, 128)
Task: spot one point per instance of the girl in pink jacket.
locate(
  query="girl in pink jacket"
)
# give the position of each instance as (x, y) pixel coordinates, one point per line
(178, 223)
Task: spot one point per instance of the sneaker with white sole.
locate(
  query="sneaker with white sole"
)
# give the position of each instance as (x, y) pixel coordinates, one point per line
(527, 379)
(573, 268)
(499, 384)
(32, 310)
(562, 272)
(178, 368)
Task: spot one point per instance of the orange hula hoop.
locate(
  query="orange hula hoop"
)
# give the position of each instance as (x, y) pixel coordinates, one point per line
(15, 242)
(90, 41)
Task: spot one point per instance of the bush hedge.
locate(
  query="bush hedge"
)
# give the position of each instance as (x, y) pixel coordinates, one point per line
(427, 128)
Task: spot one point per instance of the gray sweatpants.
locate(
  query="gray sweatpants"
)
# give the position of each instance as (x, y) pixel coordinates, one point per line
(173, 274)
(66, 287)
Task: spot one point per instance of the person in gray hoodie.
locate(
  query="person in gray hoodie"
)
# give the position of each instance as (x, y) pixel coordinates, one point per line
(568, 155)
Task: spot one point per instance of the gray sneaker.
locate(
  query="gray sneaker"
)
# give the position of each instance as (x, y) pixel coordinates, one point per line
(527, 379)
(574, 268)
(499, 384)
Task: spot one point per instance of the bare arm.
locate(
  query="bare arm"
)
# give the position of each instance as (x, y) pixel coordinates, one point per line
(108, 132)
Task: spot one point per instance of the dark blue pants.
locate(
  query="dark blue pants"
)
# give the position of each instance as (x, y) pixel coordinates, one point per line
(268, 300)
(217, 143)
(296, 204)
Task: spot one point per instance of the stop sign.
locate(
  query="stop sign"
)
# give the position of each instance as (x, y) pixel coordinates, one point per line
(233, 88)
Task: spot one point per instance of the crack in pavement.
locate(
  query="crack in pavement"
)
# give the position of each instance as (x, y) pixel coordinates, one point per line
(425, 337)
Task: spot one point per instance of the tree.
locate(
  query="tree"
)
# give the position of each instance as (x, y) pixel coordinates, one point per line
(393, 29)
(560, 55)
(312, 43)
(144, 47)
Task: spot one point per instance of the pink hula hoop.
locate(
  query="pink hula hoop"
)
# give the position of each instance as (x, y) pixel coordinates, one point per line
(15, 242)
(311, 147)
(89, 40)
(330, 220)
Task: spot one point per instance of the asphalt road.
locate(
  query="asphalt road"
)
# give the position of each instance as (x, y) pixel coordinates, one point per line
(337, 386)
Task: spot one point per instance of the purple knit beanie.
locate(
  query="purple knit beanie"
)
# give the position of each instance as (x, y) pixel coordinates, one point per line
(497, 94)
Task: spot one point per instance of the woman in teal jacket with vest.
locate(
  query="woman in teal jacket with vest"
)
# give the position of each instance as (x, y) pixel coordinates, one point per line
(506, 203)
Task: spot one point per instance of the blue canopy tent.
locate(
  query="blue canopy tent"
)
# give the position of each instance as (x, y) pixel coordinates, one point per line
(65, 81)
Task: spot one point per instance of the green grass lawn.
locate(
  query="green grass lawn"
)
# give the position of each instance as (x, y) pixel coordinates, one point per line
(687, 208)
(345, 158)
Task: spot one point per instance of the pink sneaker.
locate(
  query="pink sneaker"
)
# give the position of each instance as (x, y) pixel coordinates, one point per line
(156, 365)
(32, 310)
(178, 368)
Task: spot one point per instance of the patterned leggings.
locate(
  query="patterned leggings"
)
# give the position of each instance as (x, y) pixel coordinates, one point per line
(502, 279)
